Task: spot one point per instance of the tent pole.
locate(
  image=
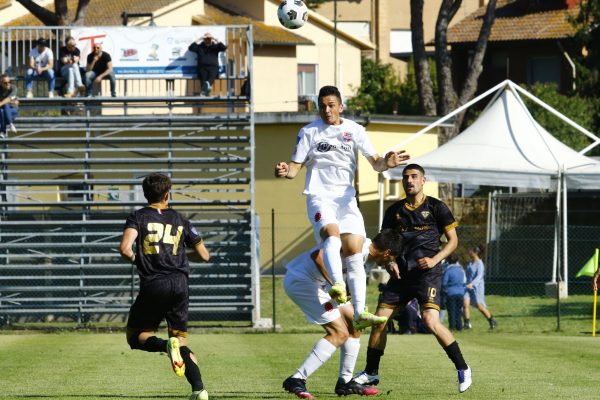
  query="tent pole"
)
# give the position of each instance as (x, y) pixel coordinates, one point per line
(450, 115)
(380, 184)
(565, 229)
(557, 221)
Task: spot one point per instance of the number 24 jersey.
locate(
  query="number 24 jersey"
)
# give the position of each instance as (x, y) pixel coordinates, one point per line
(163, 235)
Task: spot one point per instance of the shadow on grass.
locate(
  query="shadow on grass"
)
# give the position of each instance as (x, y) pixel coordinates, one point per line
(567, 309)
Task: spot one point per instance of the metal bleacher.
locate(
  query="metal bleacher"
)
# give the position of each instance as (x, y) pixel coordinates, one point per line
(73, 172)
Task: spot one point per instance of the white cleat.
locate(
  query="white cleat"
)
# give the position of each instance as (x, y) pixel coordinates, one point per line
(366, 379)
(464, 379)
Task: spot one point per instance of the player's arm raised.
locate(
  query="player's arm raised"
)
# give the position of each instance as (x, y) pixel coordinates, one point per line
(392, 159)
(126, 246)
(288, 171)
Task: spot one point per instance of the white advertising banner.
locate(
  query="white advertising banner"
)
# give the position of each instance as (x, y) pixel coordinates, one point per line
(146, 52)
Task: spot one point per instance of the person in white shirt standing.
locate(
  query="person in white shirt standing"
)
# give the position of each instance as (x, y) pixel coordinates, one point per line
(329, 148)
(41, 63)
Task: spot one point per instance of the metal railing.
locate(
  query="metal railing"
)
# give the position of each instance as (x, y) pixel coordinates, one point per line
(72, 174)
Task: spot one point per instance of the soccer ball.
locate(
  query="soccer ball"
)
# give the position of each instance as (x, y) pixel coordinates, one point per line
(292, 13)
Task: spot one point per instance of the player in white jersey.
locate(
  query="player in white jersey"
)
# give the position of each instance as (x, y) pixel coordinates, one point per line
(329, 148)
(305, 283)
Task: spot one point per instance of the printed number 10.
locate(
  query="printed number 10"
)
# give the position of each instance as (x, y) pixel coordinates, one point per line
(158, 231)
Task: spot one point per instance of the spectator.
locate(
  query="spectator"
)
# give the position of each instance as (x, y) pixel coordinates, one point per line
(68, 58)
(207, 49)
(41, 63)
(99, 66)
(8, 105)
(453, 287)
(475, 293)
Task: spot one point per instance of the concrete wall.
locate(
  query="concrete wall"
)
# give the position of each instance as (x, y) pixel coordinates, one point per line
(275, 79)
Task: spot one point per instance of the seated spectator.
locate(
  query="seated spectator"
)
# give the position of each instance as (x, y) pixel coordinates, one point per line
(99, 66)
(41, 63)
(207, 49)
(68, 58)
(8, 105)
(453, 287)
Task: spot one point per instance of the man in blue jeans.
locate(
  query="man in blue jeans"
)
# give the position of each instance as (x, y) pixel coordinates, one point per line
(41, 64)
(453, 286)
(8, 105)
(99, 66)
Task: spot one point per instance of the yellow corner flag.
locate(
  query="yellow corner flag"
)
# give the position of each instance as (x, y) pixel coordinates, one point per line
(590, 267)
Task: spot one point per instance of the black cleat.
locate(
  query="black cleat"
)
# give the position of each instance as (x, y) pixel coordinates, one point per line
(352, 387)
(298, 387)
(493, 324)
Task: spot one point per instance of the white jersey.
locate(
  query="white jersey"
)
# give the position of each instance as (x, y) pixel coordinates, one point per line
(41, 59)
(330, 153)
(304, 267)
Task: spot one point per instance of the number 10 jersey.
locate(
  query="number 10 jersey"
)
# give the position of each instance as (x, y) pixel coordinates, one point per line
(163, 235)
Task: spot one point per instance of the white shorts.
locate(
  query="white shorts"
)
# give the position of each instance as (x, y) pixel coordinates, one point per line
(312, 298)
(342, 211)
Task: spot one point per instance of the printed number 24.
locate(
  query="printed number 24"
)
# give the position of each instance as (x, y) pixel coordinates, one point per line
(158, 231)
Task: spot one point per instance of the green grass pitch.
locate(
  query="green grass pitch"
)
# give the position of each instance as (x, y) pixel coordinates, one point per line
(524, 359)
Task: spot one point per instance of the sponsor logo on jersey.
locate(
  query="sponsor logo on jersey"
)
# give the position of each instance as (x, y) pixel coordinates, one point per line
(328, 306)
(194, 231)
(425, 214)
(324, 147)
(317, 216)
(347, 137)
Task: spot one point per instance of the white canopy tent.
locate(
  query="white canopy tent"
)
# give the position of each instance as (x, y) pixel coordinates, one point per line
(505, 146)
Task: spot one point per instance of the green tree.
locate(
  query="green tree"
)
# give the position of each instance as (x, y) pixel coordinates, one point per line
(60, 15)
(382, 91)
(576, 107)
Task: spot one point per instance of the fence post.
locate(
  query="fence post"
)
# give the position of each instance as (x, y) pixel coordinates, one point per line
(273, 266)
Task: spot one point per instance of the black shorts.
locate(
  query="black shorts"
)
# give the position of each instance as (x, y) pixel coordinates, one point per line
(425, 286)
(161, 298)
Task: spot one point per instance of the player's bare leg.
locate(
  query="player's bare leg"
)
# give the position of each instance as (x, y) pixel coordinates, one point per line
(336, 335)
(377, 343)
(431, 318)
(467, 314)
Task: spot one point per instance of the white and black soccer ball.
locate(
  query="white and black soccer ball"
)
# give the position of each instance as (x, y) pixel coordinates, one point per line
(292, 13)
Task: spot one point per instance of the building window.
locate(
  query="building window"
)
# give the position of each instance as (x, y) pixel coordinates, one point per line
(307, 79)
(543, 70)
(393, 189)
(401, 42)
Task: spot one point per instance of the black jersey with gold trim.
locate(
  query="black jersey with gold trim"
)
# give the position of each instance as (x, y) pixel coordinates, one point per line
(421, 226)
(162, 237)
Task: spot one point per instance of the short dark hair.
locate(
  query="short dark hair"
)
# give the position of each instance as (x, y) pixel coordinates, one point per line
(68, 39)
(155, 187)
(329, 91)
(479, 250)
(389, 239)
(413, 166)
(452, 258)
(42, 42)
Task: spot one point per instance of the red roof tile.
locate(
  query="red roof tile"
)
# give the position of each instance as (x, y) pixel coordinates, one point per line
(518, 20)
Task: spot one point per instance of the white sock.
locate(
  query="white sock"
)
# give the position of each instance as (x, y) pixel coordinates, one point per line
(357, 282)
(319, 354)
(331, 256)
(348, 355)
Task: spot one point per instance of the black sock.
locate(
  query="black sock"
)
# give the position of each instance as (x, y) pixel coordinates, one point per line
(192, 371)
(455, 355)
(154, 345)
(373, 358)
(491, 318)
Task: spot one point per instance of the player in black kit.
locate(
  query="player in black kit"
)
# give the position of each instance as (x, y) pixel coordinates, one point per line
(421, 220)
(161, 235)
